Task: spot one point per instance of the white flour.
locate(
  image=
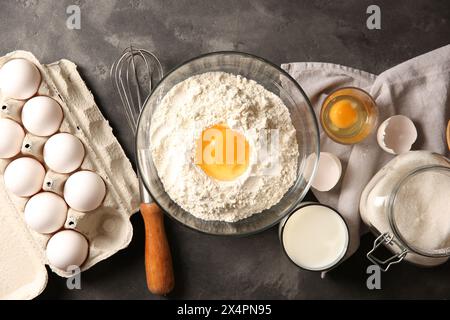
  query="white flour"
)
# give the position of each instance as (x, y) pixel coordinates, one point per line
(208, 99)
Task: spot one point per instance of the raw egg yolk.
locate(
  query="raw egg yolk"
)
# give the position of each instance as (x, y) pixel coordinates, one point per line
(342, 114)
(222, 153)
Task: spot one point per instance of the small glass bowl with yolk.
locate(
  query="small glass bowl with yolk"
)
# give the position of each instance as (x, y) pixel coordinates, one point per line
(348, 115)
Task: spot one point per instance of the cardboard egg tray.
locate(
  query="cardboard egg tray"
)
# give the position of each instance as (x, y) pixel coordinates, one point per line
(108, 229)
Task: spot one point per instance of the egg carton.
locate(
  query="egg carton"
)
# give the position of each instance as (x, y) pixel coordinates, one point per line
(108, 229)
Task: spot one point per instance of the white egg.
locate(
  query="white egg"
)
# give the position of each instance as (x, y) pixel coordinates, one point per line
(397, 134)
(63, 153)
(11, 138)
(328, 171)
(67, 248)
(84, 191)
(45, 212)
(42, 116)
(19, 79)
(24, 177)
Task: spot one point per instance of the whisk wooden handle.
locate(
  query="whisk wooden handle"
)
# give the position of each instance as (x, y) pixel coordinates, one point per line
(158, 260)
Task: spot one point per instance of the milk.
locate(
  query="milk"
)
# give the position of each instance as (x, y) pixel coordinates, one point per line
(314, 237)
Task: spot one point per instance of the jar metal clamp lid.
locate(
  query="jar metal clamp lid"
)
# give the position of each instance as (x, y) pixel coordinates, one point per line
(400, 240)
(386, 239)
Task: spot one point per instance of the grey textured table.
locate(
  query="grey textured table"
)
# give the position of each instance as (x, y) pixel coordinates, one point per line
(281, 31)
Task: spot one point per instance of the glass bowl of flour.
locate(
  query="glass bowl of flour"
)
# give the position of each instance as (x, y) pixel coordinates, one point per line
(227, 101)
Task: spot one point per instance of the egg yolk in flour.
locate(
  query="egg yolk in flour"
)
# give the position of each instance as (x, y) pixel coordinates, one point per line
(222, 153)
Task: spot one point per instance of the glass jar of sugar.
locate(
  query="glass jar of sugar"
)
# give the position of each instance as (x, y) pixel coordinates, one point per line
(407, 206)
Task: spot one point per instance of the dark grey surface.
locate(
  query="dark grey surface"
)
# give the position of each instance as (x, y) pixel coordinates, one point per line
(281, 31)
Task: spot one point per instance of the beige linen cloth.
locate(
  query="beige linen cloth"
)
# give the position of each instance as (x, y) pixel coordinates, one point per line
(418, 88)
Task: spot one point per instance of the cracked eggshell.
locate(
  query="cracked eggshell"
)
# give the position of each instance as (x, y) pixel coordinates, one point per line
(328, 172)
(396, 134)
(19, 79)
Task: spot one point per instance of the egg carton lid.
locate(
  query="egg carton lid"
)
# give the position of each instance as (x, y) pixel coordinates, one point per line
(23, 274)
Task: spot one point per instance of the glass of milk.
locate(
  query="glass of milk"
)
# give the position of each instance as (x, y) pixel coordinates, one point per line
(315, 237)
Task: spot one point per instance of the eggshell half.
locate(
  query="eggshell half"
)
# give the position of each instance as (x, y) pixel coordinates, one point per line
(11, 138)
(67, 248)
(19, 79)
(396, 134)
(42, 116)
(24, 177)
(45, 212)
(328, 171)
